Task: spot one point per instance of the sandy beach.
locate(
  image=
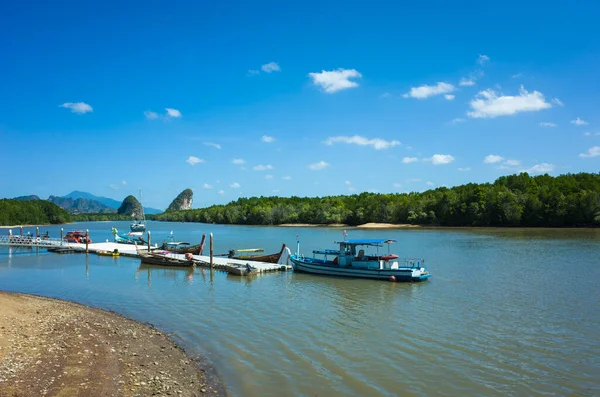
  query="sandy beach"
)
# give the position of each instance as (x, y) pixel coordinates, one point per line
(312, 225)
(50, 347)
(386, 226)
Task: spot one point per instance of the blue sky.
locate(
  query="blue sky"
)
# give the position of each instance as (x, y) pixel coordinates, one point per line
(310, 99)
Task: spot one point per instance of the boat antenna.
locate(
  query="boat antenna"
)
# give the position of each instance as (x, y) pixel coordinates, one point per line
(297, 244)
(345, 235)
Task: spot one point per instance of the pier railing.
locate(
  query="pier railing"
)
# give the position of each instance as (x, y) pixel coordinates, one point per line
(31, 241)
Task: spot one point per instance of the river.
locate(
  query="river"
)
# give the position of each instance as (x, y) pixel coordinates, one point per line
(506, 312)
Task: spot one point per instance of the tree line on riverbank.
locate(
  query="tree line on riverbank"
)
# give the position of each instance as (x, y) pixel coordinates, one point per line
(515, 200)
(570, 200)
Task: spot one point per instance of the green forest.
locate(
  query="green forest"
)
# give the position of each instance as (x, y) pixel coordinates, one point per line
(571, 200)
(34, 212)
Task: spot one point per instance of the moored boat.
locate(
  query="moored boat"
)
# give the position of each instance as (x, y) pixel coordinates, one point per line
(166, 258)
(180, 247)
(77, 236)
(352, 261)
(129, 238)
(250, 254)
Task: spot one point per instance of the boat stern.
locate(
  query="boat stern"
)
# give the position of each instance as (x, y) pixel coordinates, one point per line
(420, 274)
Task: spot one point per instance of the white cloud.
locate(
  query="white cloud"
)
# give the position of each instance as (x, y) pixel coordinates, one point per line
(335, 80)
(483, 59)
(174, 113)
(440, 159)
(207, 186)
(212, 144)
(385, 95)
(193, 160)
(113, 187)
(547, 124)
(238, 161)
(558, 102)
(275, 190)
(270, 67)
(540, 169)
(77, 107)
(464, 169)
(408, 160)
(411, 180)
(261, 167)
(318, 166)
(267, 139)
(592, 152)
(348, 183)
(449, 97)
(151, 115)
(351, 189)
(221, 192)
(489, 104)
(397, 185)
(425, 91)
(123, 182)
(591, 133)
(457, 120)
(428, 183)
(492, 159)
(268, 176)
(253, 72)
(516, 76)
(235, 185)
(377, 143)
(286, 178)
(578, 121)
(512, 163)
(467, 82)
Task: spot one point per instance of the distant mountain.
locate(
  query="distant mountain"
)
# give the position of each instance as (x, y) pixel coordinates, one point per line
(80, 205)
(27, 198)
(183, 201)
(114, 204)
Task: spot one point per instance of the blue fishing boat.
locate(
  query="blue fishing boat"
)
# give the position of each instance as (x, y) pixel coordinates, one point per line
(351, 260)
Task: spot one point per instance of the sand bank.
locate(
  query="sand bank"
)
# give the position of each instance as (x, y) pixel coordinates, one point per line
(56, 348)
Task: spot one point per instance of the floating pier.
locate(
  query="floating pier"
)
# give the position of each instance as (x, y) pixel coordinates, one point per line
(233, 266)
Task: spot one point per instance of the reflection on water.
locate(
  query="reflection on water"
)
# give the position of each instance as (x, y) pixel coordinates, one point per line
(507, 311)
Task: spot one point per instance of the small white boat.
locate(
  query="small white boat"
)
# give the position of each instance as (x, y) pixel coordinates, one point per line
(349, 261)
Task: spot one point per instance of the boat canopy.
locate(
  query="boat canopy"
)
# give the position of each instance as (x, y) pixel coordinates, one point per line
(366, 242)
(251, 250)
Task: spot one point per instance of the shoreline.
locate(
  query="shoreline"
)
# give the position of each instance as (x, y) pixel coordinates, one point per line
(57, 347)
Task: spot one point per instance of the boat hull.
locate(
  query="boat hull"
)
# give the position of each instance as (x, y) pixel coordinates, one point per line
(164, 261)
(306, 265)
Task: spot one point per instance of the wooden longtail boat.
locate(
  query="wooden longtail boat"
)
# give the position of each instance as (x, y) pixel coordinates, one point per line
(247, 255)
(184, 248)
(163, 258)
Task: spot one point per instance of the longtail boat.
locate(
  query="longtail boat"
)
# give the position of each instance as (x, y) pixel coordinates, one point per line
(165, 258)
(178, 247)
(249, 255)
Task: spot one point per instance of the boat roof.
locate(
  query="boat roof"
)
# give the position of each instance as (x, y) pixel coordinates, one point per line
(366, 242)
(251, 250)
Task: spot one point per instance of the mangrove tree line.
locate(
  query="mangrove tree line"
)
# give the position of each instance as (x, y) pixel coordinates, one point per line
(515, 200)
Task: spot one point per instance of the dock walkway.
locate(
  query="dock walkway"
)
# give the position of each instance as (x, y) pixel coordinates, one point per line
(127, 250)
